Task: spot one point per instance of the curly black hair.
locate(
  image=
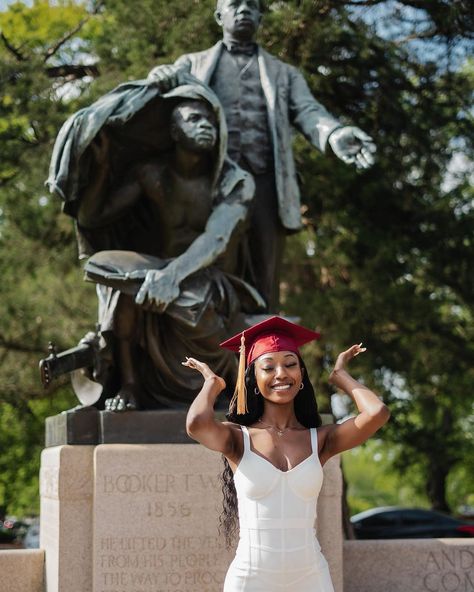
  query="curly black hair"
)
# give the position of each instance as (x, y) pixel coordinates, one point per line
(306, 411)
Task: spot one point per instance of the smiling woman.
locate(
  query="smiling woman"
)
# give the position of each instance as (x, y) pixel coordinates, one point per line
(274, 449)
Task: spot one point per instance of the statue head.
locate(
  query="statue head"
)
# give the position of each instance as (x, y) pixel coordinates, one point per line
(193, 126)
(239, 19)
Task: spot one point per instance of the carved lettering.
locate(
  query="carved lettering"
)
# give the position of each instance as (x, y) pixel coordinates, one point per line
(430, 582)
(115, 579)
(449, 570)
(449, 581)
(49, 482)
(178, 564)
(448, 559)
(156, 483)
(133, 544)
(163, 504)
(169, 510)
(466, 559)
(432, 563)
(209, 482)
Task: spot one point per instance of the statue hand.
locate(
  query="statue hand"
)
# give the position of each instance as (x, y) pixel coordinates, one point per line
(159, 289)
(165, 77)
(353, 146)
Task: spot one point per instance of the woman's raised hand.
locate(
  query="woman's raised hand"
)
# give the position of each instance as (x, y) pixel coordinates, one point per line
(206, 372)
(344, 357)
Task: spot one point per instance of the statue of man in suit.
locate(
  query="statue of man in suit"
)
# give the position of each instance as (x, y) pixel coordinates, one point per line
(263, 98)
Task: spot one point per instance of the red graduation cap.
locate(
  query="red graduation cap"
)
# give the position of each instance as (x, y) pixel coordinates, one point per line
(271, 335)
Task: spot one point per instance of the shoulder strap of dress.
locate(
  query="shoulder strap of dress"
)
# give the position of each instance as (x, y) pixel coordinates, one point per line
(246, 435)
(314, 440)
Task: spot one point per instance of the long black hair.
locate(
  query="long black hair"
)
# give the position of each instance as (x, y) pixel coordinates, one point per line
(306, 411)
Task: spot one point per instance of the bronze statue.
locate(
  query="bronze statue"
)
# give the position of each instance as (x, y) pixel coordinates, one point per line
(160, 208)
(262, 98)
(179, 250)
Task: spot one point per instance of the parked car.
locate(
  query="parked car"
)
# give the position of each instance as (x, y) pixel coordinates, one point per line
(7, 535)
(31, 540)
(408, 523)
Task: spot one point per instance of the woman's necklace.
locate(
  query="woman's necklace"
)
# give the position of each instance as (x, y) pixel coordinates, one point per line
(278, 430)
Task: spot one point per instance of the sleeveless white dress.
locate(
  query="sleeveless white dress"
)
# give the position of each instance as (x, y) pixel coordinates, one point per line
(278, 550)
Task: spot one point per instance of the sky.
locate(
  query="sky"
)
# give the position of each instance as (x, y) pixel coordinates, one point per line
(5, 3)
(394, 20)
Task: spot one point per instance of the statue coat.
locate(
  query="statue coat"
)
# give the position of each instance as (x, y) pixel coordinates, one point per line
(289, 104)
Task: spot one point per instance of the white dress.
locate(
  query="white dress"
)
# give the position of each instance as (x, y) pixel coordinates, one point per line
(278, 550)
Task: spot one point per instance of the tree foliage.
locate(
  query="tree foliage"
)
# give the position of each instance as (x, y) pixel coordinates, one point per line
(41, 295)
(392, 261)
(385, 256)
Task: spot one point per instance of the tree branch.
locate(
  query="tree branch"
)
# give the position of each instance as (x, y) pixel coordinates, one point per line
(9, 394)
(73, 71)
(19, 347)
(5, 180)
(428, 34)
(54, 48)
(13, 50)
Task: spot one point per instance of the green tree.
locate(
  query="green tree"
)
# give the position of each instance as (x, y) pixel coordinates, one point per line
(387, 255)
(41, 299)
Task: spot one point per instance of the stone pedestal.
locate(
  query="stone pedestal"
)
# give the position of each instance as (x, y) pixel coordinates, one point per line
(410, 565)
(329, 520)
(66, 487)
(76, 426)
(87, 425)
(21, 570)
(156, 509)
(143, 518)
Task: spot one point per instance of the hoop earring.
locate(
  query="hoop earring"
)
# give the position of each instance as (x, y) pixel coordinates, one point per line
(301, 386)
(256, 391)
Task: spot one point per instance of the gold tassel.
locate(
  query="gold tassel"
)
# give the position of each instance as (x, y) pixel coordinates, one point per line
(240, 392)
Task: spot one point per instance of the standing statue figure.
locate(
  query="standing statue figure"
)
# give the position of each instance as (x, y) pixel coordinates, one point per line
(263, 98)
(160, 209)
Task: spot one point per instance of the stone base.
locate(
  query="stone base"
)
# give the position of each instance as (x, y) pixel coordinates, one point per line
(156, 513)
(410, 565)
(87, 425)
(22, 570)
(77, 426)
(66, 521)
(143, 518)
(329, 520)
(144, 427)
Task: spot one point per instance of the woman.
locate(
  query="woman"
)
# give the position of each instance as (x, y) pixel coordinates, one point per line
(276, 454)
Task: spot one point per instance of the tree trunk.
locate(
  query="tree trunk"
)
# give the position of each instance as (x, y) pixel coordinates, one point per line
(436, 486)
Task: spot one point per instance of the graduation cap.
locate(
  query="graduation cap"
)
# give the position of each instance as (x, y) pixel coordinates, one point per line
(272, 335)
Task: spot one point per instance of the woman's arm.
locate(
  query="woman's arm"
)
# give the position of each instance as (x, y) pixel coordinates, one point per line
(373, 413)
(201, 424)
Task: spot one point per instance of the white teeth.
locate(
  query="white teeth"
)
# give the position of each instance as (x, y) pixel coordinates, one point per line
(281, 387)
